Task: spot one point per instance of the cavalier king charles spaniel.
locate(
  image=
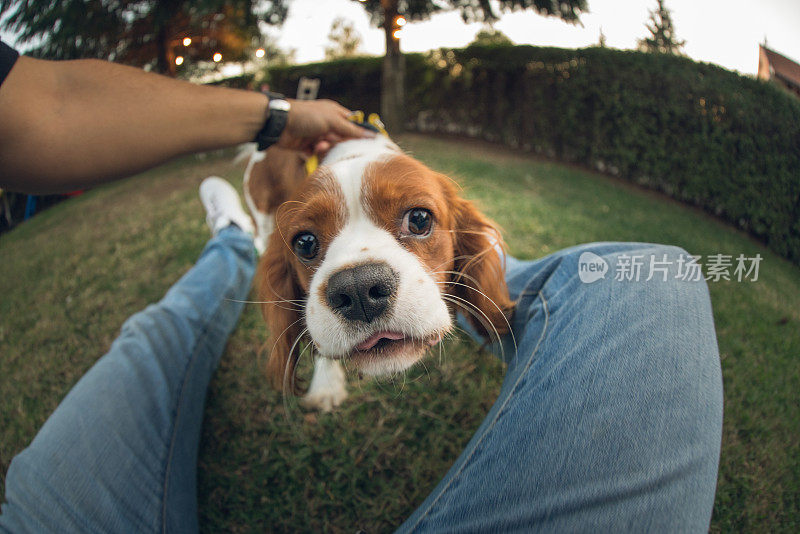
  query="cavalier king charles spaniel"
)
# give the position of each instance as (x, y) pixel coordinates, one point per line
(367, 259)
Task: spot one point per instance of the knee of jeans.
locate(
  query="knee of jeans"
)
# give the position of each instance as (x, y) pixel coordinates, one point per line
(680, 265)
(156, 327)
(664, 271)
(671, 289)
(633, 279)
(639, 262)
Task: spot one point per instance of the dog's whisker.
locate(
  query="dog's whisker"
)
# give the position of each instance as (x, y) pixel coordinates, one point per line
(502, 313)
(297, 310)
(291, 352)
(402, 386)
(283, 237)
(491, 330)
(484, 320)
(449, 260)
(470, 232)
(284, 301)
(477, 257)
(472, 310)
(277, 338)
(459, 275)
(291, 304)
(470, 257)
(427, 372)
(286, 406)
(292, 202)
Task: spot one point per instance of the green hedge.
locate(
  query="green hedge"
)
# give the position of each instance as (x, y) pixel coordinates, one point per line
(695, 131)
(355, 83)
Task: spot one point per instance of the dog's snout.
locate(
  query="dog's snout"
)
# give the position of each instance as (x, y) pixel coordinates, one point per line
(362, 293)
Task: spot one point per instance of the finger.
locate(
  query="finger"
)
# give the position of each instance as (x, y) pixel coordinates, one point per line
(322, 148)
(341, 109)
(333, 138)
(333, 107)
(351, 130)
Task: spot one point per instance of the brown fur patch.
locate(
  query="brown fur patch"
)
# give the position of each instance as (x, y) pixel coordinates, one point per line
(392, 188)
(316, 206)
(275, 178)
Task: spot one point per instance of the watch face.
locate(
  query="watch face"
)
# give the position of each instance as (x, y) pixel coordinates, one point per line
(281, 105)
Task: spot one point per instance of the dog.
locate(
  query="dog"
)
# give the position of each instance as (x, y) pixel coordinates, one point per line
(367, 259)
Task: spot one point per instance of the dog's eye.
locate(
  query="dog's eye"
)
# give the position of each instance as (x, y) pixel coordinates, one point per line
(417, 221)
(306, 246)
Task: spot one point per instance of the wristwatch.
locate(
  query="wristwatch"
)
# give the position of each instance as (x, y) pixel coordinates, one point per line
(276, 121)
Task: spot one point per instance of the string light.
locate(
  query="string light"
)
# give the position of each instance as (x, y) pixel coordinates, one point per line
(217, 57)
(179, 60)
(187, 41)
(260, 53)
(399, 22)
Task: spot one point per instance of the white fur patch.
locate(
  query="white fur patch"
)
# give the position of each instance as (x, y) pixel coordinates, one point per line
(264, 223)
(328, 388)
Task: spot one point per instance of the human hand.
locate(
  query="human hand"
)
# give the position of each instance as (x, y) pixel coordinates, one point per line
(314, 126)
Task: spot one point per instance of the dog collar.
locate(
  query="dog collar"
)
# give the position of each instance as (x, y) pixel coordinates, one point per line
(373, 122)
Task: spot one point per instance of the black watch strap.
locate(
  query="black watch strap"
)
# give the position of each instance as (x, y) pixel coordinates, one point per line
(275, 123)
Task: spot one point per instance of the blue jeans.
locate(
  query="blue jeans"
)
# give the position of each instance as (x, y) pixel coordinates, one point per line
(609, 418)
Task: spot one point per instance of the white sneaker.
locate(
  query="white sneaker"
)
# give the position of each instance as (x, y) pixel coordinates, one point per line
(223, 206)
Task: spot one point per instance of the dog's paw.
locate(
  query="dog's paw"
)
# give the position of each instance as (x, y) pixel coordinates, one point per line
(328, 387)
(324, 401)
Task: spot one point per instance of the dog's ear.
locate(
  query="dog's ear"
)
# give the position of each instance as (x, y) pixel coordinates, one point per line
(480, 280)
(280, 293)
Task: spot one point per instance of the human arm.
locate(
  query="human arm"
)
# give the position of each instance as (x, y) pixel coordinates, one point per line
(73, 124)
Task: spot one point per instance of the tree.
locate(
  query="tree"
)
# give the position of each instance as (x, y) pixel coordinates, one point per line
(143, 33)
(601, 42)
(490, 37)
(391, 15)
(662, 33)
(274, 54)
(344, 38)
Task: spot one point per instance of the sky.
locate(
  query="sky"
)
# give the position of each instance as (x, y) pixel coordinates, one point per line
(725, 32)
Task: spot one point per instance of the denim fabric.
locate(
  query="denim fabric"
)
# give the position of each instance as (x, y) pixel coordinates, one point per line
(119, 454)
(609, 418)
(610, 414)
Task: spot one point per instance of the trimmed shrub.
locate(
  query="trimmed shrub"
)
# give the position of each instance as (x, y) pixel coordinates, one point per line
(695, 131)
(243, 81)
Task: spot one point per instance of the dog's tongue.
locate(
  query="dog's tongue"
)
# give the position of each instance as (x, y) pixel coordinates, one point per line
(373, 340)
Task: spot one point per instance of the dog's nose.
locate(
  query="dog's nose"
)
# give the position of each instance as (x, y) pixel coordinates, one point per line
(362, 293)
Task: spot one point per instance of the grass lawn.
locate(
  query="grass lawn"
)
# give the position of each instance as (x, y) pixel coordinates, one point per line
(71, 276)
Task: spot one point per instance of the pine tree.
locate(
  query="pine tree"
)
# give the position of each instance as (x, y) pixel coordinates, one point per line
(662, 37)
(602, 40)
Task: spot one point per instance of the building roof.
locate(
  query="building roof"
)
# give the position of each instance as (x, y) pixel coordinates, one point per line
(782, 67)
